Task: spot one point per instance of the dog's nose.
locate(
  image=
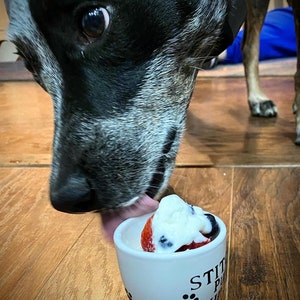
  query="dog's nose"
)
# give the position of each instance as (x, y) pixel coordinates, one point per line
(75, 196)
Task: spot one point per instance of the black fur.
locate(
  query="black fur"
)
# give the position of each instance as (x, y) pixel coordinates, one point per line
(120, 97)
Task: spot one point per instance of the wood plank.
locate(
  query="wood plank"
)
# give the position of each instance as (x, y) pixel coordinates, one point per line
(34, 238)
(221, 132)
(45, 254)
(26, 124)
(90, 271)
(265, 235)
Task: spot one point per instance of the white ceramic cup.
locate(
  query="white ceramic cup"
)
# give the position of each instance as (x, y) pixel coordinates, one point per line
(196, 274)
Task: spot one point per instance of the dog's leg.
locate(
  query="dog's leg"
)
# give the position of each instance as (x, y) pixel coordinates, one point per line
(259, 103)
(296, 105)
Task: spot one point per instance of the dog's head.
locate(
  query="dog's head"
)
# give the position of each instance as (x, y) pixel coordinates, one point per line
(121, 74)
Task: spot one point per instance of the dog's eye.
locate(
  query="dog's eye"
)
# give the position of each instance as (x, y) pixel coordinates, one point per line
(94, 22)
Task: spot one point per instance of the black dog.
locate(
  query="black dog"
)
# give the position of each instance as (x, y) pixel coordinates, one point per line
(121, 74)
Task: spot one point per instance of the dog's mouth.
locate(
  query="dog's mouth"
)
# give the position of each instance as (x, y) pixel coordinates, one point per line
(80, 192)
(111, 219)
(145, 203)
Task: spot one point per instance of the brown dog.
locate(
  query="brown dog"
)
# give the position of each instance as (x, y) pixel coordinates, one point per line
(259, 103)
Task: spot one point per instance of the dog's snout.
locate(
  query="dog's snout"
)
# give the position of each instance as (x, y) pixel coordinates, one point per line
(75, 196)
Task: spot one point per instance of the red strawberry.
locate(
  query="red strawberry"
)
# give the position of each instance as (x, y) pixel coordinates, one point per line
(147, 242)
(146, 236)
(193, 245)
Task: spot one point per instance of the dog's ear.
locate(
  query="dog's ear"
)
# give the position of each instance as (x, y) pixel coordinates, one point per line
(236, 15)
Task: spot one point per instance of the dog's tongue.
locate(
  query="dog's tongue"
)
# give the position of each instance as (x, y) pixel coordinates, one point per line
(111, 220)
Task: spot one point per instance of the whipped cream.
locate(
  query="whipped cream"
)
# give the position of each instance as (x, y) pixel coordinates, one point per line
(177, 223)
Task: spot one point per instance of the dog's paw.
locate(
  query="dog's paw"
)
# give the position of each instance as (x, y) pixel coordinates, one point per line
(265, 109)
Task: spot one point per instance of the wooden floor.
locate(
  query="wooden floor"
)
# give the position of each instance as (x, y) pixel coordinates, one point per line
(246, 170)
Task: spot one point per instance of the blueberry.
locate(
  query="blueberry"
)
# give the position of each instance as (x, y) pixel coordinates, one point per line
(215, 227)
(164, 242)
(192, 209)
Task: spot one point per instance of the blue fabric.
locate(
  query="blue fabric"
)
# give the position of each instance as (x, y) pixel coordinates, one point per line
(277, 38)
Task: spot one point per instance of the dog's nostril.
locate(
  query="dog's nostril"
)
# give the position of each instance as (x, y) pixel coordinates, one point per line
(75, 196)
